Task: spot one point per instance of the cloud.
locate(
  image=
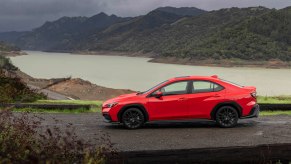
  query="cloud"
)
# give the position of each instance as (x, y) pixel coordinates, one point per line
(28, 14)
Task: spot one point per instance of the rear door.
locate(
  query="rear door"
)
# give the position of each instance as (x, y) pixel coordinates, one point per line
(173, 105)
(205, 95)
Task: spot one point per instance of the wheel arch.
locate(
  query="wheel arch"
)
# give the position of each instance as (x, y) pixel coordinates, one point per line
(135, 105)
(233, 104)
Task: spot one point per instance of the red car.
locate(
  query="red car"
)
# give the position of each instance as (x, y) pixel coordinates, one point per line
(184, 98)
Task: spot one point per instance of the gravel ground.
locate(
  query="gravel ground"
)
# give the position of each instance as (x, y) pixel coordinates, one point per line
(177, 135)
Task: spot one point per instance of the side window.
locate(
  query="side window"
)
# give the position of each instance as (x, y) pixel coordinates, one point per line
(175, 88)
(205, 86)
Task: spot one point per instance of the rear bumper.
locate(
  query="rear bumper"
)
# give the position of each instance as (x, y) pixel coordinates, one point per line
(253, 113)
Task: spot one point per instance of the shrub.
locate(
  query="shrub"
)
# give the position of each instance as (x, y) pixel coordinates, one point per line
(23, 140)
(12, 89)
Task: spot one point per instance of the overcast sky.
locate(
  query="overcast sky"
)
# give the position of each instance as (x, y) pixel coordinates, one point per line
(18, 15)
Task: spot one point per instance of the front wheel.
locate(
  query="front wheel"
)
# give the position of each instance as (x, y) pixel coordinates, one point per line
(226, 117)
(132, 118)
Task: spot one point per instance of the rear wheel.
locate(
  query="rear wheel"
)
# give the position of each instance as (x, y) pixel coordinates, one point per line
(133, 118)
(226, 117)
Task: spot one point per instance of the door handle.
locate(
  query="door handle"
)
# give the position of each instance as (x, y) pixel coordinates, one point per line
(216, 95)
(182, 98)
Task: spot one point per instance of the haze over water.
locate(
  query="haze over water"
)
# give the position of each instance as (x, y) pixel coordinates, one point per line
(137, 74)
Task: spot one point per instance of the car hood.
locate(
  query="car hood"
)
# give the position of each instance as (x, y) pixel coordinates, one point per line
(121, 97)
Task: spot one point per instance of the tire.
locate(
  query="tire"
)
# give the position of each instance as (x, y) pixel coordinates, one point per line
(133, 118)
(226, 117)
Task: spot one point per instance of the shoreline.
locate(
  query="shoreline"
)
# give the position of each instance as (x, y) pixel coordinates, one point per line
(226, 63)
(64, 87)
(12, 53)
(75, 88)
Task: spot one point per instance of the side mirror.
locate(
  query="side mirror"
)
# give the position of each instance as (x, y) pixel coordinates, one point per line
(158, 94)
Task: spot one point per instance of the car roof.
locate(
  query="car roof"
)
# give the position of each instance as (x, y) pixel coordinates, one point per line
(194, 77)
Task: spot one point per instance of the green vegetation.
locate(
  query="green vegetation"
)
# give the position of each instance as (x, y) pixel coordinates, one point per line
(12, 89)
(65, 33)
(72, 111)
(222, 34)
(7, 47)
(80, 102)
(272, 113)
(254, 33)
(6, 64)
(96, 105)
(24, 140)
(274, 100)
(183, 11)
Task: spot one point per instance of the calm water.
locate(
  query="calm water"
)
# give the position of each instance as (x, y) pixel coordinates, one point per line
(138, 74)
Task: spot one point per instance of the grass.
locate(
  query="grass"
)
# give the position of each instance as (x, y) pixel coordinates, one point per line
(274, 100)
(272, 113)
(96, 105)
(73, 111)
(79, 102)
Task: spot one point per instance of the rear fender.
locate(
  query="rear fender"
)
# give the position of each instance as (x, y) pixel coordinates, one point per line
(228, 103)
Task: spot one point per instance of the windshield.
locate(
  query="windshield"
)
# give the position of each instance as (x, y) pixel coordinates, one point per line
(235, 84)
(153, 87)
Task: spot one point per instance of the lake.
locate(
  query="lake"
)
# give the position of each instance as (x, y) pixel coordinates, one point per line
(138, 74)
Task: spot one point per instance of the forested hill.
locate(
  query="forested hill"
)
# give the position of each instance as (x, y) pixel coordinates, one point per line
(254, 33)
(7, 47)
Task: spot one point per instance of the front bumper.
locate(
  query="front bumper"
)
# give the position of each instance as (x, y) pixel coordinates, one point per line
(253, 113)
(106, 117)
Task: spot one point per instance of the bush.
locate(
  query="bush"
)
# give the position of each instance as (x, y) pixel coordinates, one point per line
(23, 140)
(12, 89)
(6, 64)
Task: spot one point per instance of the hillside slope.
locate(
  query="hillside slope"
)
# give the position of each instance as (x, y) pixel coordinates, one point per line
(254, 33)
(183, 11)
(12, 88)
(65, 32)
(251, 33)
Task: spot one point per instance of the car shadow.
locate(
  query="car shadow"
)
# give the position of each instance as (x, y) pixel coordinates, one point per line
(184, 124)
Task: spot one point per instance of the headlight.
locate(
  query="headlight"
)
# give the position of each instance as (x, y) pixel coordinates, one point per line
(110, 105)
(254, 94)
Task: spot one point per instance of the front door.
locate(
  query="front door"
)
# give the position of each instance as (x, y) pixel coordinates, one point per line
(173, 105)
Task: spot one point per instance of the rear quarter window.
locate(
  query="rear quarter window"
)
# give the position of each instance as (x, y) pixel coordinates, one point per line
(205, 86)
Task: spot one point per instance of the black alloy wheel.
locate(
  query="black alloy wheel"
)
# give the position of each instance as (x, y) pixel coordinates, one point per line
(133, 118)
(226, 117)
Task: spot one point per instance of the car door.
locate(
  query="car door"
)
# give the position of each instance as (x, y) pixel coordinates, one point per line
(205, 95)
(172, 104)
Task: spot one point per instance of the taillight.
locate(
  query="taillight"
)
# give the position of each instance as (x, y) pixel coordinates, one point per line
(254, 94)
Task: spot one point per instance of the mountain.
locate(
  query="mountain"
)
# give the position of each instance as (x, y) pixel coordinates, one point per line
(116, 34)
(186, 33)
(4, 47)
(11, 36)
(182, 11)
(65, 32)
(254, 33)
(263, 37)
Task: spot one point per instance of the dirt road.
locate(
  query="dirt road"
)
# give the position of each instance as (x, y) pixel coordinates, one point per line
(156, 136)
